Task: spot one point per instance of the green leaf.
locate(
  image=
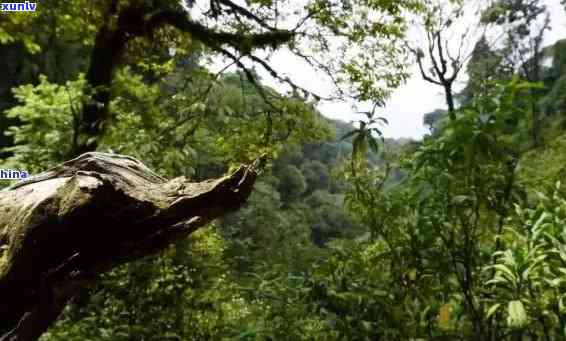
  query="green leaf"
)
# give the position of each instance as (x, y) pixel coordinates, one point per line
(517, 318)
(492, 310)
(539, 221)
(460, 199)
(374, 146)
(506, 273)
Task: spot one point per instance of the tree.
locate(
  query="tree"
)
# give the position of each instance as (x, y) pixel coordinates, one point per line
(292, 183)
(119, 31)
(441, 59)
(117, 202)
(130, 43)
(316, 175)
(524, 23)
(125, 23)
(434, 120)
(486, 66)
(554, 101)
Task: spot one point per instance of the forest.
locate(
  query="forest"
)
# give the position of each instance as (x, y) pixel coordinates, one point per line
(184, 183)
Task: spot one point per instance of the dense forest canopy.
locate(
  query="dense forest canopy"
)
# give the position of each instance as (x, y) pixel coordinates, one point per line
(347, 234)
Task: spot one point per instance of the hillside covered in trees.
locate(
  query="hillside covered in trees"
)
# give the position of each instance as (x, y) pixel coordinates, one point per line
(172, 199)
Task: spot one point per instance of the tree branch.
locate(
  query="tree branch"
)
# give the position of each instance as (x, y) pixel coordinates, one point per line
(243, 42)
(62, 227)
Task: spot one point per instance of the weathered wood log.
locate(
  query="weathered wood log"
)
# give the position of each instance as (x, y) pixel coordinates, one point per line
(61, 228)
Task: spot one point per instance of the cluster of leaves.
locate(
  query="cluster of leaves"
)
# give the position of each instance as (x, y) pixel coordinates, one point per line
(432, 247)
(188, 293)
(204, 288)
(529, 273)
(48, 118)
(439, 259)
(424, 262)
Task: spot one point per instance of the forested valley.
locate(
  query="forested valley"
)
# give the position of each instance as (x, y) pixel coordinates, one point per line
(280, 223)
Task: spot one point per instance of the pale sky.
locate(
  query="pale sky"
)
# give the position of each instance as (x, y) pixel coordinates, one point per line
(407, 105)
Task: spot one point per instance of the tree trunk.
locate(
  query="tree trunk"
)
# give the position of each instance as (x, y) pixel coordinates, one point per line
(535, 129)
(61, 228)
(105, 55)
(109, 46)
(449, 100)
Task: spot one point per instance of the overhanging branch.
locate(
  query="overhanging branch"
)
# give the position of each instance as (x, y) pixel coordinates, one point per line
(243, 42)
(61, 228)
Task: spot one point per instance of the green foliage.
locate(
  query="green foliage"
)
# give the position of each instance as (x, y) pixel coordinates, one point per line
(293, 183)
(371, 61)
(233, 123)
(512, 11)
(541, 167)
(190, 292)
(434, 119)
(364, 140)
(486, 65)
(529, 272)
(435, 230)
(149, 299)
(554, 102)
(9, 32)
(316, 175)
(48, 114)
(347, 236)
(374, 27)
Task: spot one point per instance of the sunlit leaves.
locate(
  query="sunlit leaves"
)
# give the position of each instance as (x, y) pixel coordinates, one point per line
(49, 114)
(11, 29)
(517, 316)
(526, 276)
(367, 58)
(68, 21)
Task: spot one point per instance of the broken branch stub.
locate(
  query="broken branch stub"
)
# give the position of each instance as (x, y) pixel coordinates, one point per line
(83, 217)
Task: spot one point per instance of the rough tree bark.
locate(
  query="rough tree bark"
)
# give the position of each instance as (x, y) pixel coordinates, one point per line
(61, 228)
